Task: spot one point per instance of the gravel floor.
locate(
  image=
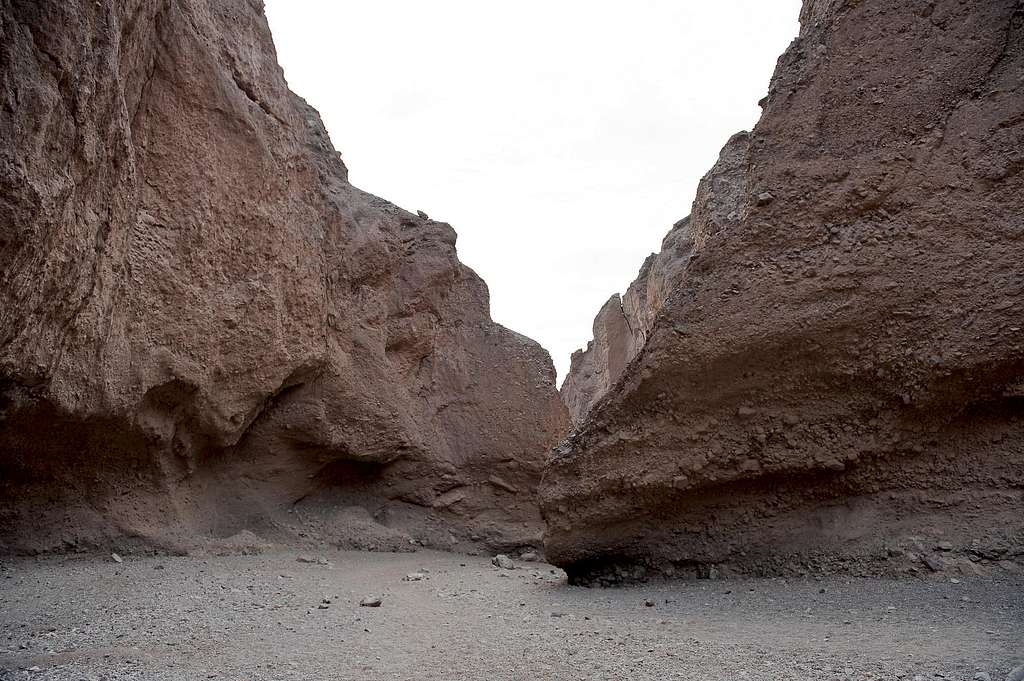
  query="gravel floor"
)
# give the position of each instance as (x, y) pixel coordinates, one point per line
(260, 617)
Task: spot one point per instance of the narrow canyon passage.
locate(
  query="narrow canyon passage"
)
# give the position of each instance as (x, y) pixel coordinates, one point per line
(256, 422)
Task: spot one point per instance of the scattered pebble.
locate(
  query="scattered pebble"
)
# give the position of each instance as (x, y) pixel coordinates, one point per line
(502, 561)
(371, 602)
(117, 558)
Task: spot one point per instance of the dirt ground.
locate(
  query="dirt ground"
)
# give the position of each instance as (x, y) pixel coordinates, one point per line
(260, 617)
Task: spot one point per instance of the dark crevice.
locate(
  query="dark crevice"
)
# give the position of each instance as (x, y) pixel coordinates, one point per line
(294, 381)
(348, 473)
(1012, 26)
(250, 92)
(158, 24)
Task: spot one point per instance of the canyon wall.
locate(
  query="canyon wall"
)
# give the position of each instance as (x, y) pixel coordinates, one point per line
(206, 332)
(828, 372)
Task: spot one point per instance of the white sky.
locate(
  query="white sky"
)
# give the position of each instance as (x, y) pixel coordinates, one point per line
(560, 138)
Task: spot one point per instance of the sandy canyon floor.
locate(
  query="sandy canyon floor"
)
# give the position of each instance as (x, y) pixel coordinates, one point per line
(268, 617)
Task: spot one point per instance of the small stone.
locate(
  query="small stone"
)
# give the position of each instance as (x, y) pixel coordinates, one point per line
(764, 198)
(944, 546)
(371, 602)
(934, 564)
(649, 603)
(982, 676)
(414, 577)
(529, 556)
(316, 560)
(116, 558)
(502, 561)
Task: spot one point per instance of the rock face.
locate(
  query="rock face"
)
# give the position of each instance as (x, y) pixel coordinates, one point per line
(205, 329)
(832, 375)
(594, 370)
(622, 325)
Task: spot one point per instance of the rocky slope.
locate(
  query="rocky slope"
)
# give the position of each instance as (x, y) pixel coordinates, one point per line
(205, 329)
(832, 374)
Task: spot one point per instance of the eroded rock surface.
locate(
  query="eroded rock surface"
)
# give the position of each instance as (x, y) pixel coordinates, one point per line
(622, 326)
(205, 329)
(594, 370)
(833, 376)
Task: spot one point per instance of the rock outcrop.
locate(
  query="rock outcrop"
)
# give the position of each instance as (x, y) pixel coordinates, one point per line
(594, 370)
(623, 325)
(833, 375)
(206, 330)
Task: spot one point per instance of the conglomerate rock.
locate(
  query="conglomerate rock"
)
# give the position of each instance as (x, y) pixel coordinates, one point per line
(205, 329)
(833, 376)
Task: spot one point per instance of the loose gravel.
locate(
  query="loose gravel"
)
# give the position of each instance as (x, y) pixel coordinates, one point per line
(272, 617)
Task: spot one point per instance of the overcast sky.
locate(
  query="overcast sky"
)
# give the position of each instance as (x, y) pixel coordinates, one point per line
(560, 138)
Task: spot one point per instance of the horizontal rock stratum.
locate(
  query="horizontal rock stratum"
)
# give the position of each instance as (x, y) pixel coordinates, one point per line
(205, 330)
(831, 373)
